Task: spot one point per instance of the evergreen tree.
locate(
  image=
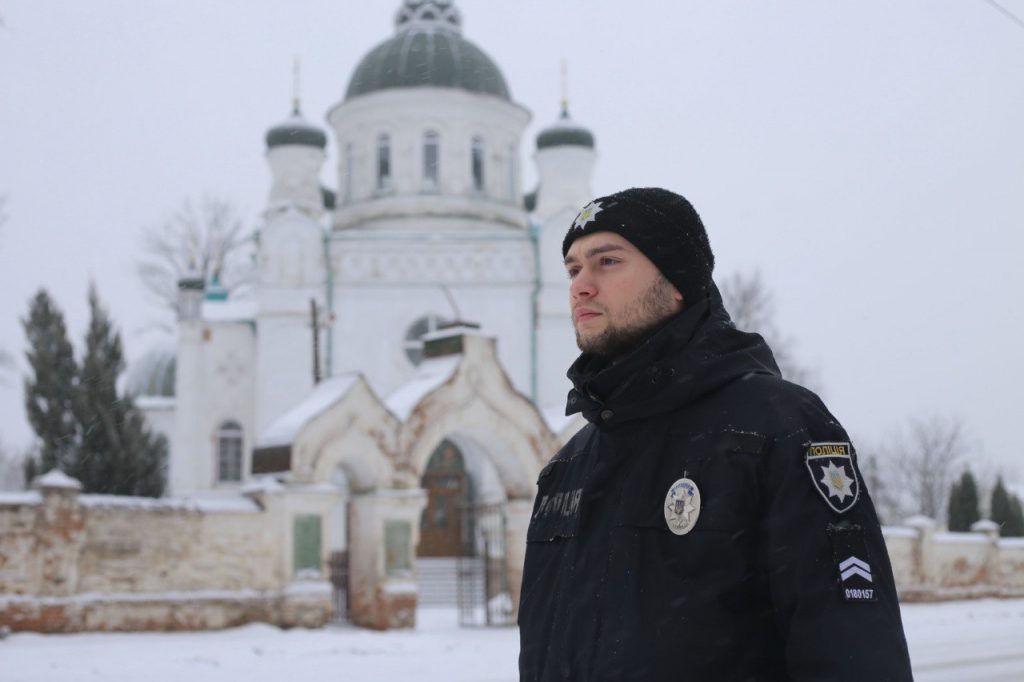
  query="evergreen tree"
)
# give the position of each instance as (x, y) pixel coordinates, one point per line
(963, 503)
(50, 389)
(1014, 528)
(119, 455)
(1007, 511)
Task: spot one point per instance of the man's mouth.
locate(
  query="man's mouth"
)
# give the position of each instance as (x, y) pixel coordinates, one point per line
(584, 314)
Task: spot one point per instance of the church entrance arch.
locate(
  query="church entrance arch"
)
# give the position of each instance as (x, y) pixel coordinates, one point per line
(449, 492)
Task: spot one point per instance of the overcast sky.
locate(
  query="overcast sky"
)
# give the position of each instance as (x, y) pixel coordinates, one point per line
(867, 157)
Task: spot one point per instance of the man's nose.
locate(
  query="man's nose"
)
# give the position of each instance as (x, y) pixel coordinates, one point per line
(582, 285)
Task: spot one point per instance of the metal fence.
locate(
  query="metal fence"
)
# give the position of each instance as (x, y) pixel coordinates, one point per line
(482, 572)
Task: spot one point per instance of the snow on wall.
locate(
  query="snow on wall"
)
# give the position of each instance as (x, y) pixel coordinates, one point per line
(73, 562)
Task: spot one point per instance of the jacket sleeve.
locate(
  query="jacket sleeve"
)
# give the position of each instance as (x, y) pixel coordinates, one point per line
(828, 570)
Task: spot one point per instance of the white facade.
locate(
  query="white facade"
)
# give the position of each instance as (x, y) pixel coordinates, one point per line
(428, 224)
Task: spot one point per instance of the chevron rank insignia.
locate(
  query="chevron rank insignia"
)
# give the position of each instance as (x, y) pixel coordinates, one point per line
(850, 551)
(833, 474)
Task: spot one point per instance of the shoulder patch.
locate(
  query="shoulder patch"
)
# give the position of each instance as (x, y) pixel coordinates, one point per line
(833, 474)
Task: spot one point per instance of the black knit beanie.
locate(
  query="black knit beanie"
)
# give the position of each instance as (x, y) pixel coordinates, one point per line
(663, 225)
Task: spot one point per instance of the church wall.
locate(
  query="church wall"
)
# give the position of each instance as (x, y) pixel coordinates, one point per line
(483, 280)
(405, 115)
(216, 385)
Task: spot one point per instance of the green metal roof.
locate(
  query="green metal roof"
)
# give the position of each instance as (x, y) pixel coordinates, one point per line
(427, 50)
(153, 374)
(565, 132)
(296, 130)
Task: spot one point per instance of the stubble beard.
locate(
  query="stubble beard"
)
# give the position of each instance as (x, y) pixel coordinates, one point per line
(639, 320)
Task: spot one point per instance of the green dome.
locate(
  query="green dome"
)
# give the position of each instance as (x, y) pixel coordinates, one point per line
(296, 130)
(427, 50)
(565, 133)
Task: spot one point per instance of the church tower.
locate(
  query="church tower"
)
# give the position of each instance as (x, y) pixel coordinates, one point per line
(291, 270)
(429, 223)
(565, 159)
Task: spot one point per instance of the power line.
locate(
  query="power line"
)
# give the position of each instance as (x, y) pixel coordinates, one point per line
(1007, 13)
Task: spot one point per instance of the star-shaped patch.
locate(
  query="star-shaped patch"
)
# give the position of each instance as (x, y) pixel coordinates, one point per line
(587, 215)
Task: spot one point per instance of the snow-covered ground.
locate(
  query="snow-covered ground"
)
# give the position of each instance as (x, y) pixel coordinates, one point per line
(976, 641)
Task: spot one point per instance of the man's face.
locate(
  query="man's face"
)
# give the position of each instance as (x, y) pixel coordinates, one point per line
(617, 295)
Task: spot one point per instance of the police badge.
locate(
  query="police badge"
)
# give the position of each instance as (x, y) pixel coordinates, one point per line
(833, 474)
(682, 506)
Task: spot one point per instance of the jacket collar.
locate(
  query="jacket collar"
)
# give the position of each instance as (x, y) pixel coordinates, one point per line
(696, 351)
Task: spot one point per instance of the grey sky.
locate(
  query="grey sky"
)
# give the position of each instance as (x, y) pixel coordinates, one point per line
(867, 157)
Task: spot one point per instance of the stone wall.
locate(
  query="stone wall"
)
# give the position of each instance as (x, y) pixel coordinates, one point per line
(931, 565)
(71, 562)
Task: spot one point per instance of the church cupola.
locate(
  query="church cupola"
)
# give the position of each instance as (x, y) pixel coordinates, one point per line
(427, 127)
(428, 50)
(565, 160)
(296, 130)
(295, 151)
(565, 133)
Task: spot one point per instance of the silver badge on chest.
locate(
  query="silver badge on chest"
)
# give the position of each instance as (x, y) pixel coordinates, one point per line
(682, 506)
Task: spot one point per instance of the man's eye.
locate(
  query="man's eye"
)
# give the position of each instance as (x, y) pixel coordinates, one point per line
(572, 272)
(609, 261)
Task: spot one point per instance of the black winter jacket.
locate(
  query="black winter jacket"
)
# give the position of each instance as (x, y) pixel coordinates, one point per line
(784, 575)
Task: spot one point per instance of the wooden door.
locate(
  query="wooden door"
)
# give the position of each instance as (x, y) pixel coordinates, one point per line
(447, 489)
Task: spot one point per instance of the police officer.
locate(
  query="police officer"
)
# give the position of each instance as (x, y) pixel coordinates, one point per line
(709, 522)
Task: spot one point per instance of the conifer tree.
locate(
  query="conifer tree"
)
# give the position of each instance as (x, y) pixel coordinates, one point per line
(963, 503)
(51, 388)
(119, 455)
(1007, 511)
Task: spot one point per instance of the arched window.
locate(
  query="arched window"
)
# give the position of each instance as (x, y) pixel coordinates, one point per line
(229, 452)
(384, 162)
(431, 159)
(415, 333)
(477, 164)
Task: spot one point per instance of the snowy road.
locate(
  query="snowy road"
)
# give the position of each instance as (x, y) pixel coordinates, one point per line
(977, 641)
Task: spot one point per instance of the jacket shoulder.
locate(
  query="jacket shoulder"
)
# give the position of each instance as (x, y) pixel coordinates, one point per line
(782, 409)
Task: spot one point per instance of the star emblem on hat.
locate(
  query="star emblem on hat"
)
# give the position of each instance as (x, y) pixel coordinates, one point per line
(836, 481)
(587, 215)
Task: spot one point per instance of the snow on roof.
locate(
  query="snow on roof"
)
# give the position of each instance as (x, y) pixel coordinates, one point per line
(429, 375)
(229, 311)
(284, 429)
(56, 478)
(457, 330)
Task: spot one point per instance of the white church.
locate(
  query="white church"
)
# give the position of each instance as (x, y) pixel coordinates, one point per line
(402, 354)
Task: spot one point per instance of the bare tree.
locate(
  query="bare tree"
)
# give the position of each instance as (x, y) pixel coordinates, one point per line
(208, 239)
(915, 468)
(752, 308)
